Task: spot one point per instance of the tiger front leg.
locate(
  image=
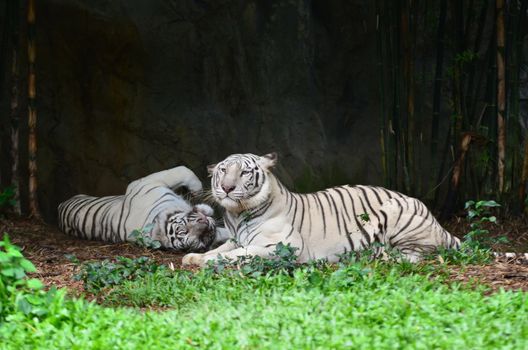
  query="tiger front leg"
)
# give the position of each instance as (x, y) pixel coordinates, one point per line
(270, 235)
(197, 258)
(192, 259)
(203, 259)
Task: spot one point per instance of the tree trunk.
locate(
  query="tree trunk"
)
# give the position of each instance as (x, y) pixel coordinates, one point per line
(32, 113)
(501, 97)
(15, 117)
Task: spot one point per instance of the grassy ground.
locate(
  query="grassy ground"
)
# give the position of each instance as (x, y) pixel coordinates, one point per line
(358, 305)
(355, 305)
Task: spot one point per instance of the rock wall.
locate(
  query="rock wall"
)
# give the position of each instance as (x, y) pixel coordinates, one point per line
(130, 87)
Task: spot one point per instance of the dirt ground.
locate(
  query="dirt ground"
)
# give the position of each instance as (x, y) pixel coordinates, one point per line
(47, 248)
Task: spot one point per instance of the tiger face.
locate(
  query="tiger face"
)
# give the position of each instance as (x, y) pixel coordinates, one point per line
(241, 180)
(192, 230)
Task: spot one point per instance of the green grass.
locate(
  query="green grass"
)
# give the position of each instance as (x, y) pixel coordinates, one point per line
(355, 305)
(266, 304)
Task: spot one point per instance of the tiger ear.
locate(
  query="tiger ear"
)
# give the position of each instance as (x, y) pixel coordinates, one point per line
(269, 160)
(210, 168)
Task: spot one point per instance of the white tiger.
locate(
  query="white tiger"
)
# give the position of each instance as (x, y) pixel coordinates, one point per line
(261, 212)
(148, 202)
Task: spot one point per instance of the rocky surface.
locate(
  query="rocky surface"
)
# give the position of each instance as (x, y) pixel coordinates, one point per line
(129, 87)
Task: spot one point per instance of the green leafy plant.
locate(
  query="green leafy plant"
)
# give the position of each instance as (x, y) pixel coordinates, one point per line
(372, 300)
(464, 255)
(352, 257)
(478, 214)
(359, 307)
(364, 217)
(143, 238)
(17, 292)
(101, 274)
(376, 251)
(282, 260)
(72, 258)
(7, 198)
(476, 246)
(349, 274)
(466, 56)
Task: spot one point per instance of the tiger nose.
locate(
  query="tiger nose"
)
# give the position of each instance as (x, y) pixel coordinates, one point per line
(228, 189)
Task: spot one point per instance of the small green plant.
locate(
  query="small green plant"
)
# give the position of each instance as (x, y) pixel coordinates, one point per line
(235, 242)
(352, 257)
(364, 217)
(466, 56)
(143, 238)
(17, 292)
(464, 255)
(72, 258)
(349, 274)
(376, 250)
(476, 247)
(478, 214)
(246, 215)
(282, 260)
(101, 274)
(7, 199)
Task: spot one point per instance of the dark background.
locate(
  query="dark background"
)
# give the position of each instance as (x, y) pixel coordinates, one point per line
(130, 87)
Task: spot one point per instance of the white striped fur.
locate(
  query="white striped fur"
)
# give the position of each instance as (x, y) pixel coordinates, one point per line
(261, 212)
(149, 201)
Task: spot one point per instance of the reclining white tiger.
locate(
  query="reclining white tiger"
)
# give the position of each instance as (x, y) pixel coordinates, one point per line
(261, 212)
(149, 201)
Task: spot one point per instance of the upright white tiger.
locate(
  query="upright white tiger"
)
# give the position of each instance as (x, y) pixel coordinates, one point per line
(148, 202)
(261, 212)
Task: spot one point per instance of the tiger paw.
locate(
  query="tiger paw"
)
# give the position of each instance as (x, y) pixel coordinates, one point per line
(193, 259)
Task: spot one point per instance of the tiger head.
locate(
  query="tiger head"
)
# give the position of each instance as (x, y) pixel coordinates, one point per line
(242, 181)
(188, 230)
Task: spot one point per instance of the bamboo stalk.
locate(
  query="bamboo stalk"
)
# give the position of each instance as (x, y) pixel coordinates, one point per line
(396, 82)
(524, 176)
(457, 169)
(513, 161)
(469, 19)
(491, 116)
(393, 123)
(422, 152)
(472, 91)
(408, 77)
(501, 123)
(466, 140)
(14, 111)
(32, 113)
(456, 175)
(435, 123)
(521, 30)
(457, 92)
(458, 81)
(4, 44)
(381, 85)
